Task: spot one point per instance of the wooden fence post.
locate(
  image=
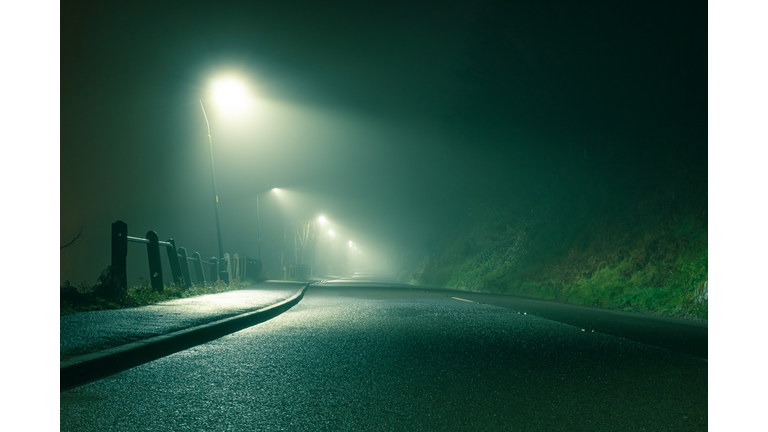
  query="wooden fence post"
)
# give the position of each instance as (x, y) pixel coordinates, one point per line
(214, 269)
(253, 268)
(155, 266)
(199, 268)
(236, 266)
(224, 269)
(184, 261)
(173, 260)
(120, 253)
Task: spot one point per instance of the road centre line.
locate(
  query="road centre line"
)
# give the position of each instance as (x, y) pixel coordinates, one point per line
(462, 299)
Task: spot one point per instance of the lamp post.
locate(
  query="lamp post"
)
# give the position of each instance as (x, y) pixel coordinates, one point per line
(258, 221)
(258, 229)
(222, 272)
(232, 96)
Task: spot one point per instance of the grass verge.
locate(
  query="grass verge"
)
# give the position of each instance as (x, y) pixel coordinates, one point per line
(102, 296)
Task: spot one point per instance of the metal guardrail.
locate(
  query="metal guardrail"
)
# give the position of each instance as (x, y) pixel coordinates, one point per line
(177, 258)
(195, 259)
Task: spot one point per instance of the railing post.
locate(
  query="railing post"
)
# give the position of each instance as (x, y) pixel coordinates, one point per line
(155, 266)
(120, 253)
(199, 268)
(224, 269)
(236, 266)
(254, 268)
(214, 269)
(173, 260)
(184, 261)
(227, 268)
(259, 268)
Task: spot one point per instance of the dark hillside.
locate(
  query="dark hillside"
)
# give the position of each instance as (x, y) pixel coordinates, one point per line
(583, 144)
(632, 239)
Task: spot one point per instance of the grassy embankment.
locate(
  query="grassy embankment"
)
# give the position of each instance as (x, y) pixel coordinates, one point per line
(84, 298)
(595, 244)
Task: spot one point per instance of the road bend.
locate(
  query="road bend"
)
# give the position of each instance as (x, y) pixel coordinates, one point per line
(368, 355)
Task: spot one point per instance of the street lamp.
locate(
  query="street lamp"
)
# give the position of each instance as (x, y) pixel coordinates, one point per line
(230, 96)
(258, 217)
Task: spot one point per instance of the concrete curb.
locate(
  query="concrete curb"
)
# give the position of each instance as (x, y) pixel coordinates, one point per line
(91, 367)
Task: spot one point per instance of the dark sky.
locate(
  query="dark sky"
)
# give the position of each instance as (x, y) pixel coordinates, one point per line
(382, 116)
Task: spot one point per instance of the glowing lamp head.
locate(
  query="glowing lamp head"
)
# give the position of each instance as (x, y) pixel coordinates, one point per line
(321, 219)
(230, 95)
(330, 232)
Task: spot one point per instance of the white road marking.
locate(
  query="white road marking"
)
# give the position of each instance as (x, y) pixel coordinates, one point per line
(462, 299)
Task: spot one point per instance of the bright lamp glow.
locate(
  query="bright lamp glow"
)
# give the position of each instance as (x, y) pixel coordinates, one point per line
(330, 232)
(321, 219)
(230, 95)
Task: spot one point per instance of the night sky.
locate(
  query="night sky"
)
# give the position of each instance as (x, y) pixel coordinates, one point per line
(382, 116)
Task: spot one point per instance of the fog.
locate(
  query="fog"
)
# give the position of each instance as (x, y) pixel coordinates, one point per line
(381, 118)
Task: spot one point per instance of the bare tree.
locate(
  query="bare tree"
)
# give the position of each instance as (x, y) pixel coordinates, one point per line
(77, 237)
(301, 237)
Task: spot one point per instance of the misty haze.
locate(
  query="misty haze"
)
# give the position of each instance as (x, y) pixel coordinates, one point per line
(485, 215)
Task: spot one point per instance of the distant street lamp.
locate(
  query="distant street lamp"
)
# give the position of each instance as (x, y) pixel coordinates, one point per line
(258, 217)
(258, 229)
(230, 95)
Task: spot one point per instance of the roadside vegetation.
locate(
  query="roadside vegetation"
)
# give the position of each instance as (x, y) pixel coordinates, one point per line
(637, 246)
(106, 295)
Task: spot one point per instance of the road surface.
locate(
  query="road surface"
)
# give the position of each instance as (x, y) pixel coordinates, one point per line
(362, 356)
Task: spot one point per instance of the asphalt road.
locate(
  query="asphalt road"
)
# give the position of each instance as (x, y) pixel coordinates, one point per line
(350, 358)
(85, 333)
